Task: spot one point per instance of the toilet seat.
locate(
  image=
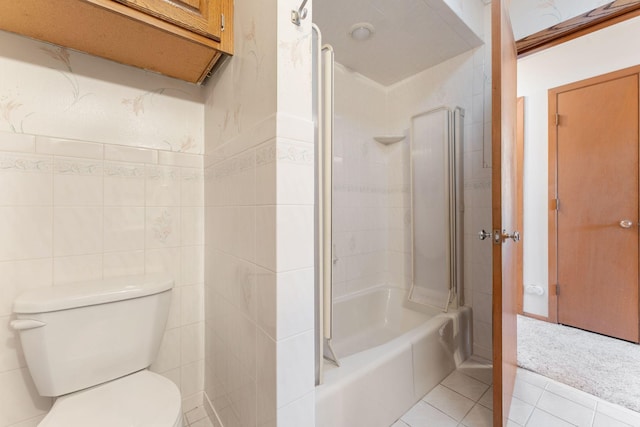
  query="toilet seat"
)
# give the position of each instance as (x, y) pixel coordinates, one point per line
(142, 399)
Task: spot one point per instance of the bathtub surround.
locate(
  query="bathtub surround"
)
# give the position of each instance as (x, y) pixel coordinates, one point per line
(361, 188)
(372, 220)
(392, 352)
(259, 223)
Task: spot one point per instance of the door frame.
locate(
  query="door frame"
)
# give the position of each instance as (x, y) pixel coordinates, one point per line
(520, 104)
(553, 175)
(503, 136)
(593, 20)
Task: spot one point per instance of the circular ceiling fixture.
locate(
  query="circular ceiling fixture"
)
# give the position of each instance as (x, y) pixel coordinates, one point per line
(361, 31)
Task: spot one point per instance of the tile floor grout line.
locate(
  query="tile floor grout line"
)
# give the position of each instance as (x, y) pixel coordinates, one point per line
(460, 394)
(473, 378)
(548, 386)
(530, 414)
(428, 404)
(571, 400)
(555, 416)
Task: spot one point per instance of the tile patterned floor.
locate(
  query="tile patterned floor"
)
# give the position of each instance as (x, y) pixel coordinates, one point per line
(196, 418)
(464, 398)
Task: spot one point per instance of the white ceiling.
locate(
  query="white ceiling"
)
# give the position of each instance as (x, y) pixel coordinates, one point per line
(410, 35)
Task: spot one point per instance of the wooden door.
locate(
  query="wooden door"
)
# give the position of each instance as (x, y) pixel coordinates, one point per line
(596, 148)
(504, 215)
(199, 16)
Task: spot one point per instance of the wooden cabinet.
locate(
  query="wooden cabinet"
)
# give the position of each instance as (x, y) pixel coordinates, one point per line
(182, 38)
(200, 16)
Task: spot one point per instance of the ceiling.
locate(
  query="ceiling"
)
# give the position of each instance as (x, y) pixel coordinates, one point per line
(410, 35)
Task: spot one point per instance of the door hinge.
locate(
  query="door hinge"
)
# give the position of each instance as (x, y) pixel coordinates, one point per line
(557, 119)
(555, 204)
(557, 289)
(222, 22)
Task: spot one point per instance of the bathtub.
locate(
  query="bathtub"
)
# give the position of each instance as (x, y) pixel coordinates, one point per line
(392, 352)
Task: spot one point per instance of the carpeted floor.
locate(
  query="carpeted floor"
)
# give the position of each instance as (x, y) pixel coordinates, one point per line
(605, 367)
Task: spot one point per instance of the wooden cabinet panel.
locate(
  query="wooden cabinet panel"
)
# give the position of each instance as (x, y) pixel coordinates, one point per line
(115, 31)
(200, 16)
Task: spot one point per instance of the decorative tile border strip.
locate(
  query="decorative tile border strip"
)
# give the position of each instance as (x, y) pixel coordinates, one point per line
(162, 172)
(295, 152)
(190, 174)
(26, 163)
(67, 166)
(235, 165)
(266, 153)
(123, 170)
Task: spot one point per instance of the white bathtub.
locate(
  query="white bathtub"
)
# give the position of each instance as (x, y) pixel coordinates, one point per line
(392, 352)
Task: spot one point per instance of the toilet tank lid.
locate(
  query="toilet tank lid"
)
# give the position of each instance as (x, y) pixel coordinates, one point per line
(93, 292)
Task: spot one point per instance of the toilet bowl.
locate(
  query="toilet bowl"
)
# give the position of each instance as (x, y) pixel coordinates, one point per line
(142, 399)
(89, 344)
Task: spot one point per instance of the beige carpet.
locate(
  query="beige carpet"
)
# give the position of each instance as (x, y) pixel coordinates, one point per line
(605, 367)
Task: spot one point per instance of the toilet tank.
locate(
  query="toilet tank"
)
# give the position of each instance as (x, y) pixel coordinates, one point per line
(84, 334)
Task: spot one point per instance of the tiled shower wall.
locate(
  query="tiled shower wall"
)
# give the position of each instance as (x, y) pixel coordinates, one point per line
(463, 81)
(103, 197)
(372, 218)
(360, 184)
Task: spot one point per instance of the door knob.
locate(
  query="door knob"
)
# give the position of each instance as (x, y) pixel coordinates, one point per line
(626, 223)
(483, 235)
(515, 236)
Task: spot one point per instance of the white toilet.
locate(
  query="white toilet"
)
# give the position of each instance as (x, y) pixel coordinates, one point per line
(89, 344)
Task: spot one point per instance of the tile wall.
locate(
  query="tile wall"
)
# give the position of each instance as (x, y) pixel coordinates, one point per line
(463, 81)
(372, 218)
(97, 209)
(360, 184)
(75, 210)
(100, 175)
(259, 195)
(50, 90)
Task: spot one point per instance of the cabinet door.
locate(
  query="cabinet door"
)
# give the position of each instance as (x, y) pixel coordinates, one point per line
(200, 16)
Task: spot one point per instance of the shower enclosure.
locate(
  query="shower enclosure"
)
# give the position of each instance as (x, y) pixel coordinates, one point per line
(437, 206)
(382, 341)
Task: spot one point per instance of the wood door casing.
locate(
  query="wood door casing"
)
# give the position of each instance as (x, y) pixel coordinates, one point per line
(520, 200)
(596, 182)
(200, 16)
(503, 192)
(578, 26)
